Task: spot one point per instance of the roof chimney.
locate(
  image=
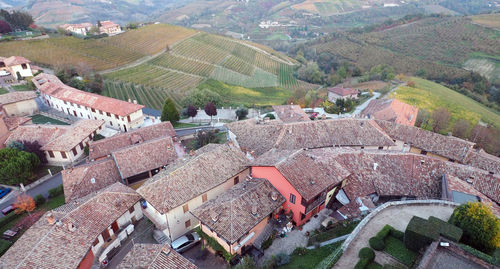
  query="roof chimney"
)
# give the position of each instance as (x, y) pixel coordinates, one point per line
(51, 219)
(135, 102)
(214, 216)
(166, 250)
(71, 227)
(129, 100)
(375, 165)
(92, 180)
(274, 196)
(254, 210)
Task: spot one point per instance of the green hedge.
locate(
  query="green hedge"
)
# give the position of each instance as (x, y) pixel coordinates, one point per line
(39, 200)
(447, 230)
(4, 245)
(11, 216)
(398, 234)
(56, 191)
(420, 233)
(362, 264)
(481, 255)
(374, 265)
(366, 254)
(269, 241)
(396, 248)
(377, 243)
(385, 231)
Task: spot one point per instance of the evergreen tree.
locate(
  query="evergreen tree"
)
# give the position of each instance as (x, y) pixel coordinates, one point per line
(169, 112)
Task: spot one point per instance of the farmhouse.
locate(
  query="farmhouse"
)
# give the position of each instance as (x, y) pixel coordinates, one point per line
(290, 113)
(109, 27)
(391, 110)
(18, 67)
(188, 183)
(77, 233)
(335, 93)
(19, 103)
(117, 114)
(79, 29)
(238, 216)
(62, 144)
(154, 256)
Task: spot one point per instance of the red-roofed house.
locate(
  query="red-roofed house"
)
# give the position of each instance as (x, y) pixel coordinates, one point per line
(117, 114)
(391, 110)
(109, 27)
(335, 93)
(19, 103)
(19, 67)
(80, 28)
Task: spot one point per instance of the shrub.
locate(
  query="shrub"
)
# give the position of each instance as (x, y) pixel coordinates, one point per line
(374, 265)
(376, 243)
(390, 266)
(300, 251)
(447, 230)
(270, 116)
(56, 191)
(362, 263)
(385, 231)
(269, 241)
(282, 259)
(39, 200)
(366, 254)
(480, 255)
(4, 245)
(241, 113)
(398, 234)
(419, 233)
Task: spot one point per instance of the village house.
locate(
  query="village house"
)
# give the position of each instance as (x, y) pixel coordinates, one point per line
(9, 124)
(237, 217)
(62, 144)
(335, 93)
(18, 67)
(290, 113)
(117, 114)
(257, 137)
(79, 29)
(19, 103)
(188, 183)
(109, 28)
(306, 179)
(391, 110)
(154, 256)
(79, 233)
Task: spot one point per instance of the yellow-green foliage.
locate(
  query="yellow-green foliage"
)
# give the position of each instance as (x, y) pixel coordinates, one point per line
(430, 96)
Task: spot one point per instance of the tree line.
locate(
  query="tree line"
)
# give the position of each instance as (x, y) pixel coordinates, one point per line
(15, 20)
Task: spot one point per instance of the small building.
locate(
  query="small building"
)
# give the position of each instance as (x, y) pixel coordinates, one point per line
(290, 113)
(152, 114)
(19, 103)
(335, 93)
(79, 29)
(19, 67)
(154, 256)
(237, 217)
(109, 27)
(307, 179)
(78, 234)
(391, 110)
(62, 144)
(9, 124)
(188, 183)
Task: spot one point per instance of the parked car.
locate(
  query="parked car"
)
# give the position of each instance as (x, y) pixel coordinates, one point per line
(185, 242)
(8, 209)
(4, 191)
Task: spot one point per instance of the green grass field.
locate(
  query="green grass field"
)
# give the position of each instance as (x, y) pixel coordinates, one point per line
(41, 119)
(3, 91)
(21, 88)
(430, 96)
(311, 258)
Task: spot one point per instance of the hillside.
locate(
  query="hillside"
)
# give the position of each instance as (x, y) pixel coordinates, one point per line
(430, 96)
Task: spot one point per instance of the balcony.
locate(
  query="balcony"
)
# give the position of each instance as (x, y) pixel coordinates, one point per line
(314, 202)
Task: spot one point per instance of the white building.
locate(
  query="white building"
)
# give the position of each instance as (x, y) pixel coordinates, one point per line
(79, 29)
(19, 67)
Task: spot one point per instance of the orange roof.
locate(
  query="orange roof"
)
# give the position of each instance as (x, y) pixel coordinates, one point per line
(15, 60)
(391, 110)
(108, 24)
(92, 100)
(343, 91)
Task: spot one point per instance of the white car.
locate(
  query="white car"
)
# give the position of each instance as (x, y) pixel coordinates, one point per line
(185, 242)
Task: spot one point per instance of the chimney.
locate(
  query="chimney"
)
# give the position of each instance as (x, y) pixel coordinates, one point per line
(254, 210)
(92, 180)
(274, 196)
(129, 100)
(166, 250)
(51, 219)
(375, 165)
(214, 216)
(135, 102)
(71, 227)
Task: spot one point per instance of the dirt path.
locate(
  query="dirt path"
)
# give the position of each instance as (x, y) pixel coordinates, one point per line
(398, 217)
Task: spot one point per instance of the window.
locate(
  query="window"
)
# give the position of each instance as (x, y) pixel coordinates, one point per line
(65, 102)
(116, 116)
(96, 242)
(131, 210)
(63, 154)
(24, 66)
(380, 147)
(100, 112)
(185, 208)
(108, 114)
(302, 216)
(111, 123)
(78, 106)
(292, 198)
(204, 198)
(187, 224)
(236, 180)
(362, 147)
(51, 154)
(128, 118)
(423, 152)
(81, 145)
(74, 151)
(105, 235)
(93, 110)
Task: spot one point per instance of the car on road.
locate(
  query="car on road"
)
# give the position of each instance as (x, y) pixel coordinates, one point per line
(185, 242)
(4, 191)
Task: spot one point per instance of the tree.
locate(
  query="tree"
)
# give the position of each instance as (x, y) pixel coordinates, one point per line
(241, 113)
(5, 27)
(35, 148)
(412, 84)
(17, 19)
(16, 166)
(191, 111)
(461, 128)
(77, 83)
(199, 97)
(481, 227)
(441, 119)
(211, 110)
(270, 116)
(203, 138)
(422, 118)
(24, 203)
(96, 84)
(169, 112)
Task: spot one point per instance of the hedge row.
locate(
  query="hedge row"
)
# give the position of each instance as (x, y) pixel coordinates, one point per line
(481, 255)
(446, 229)
(421, 232)
(366, 256)
(56, 191)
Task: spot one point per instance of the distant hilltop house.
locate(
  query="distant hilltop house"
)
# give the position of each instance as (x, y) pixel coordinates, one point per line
(18, 67)
(79, 29)
(109, 27)
(391, 110)
(335, 93)
(117, 114)
(19, 103)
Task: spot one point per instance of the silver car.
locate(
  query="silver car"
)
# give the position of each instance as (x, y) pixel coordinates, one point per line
(185, 242)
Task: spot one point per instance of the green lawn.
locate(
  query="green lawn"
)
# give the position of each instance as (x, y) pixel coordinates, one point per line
(311, 258)
(396, 248)
(21, 88)
(185, 125)
(40, 119)
(430, 96)
(339, 230)
(3, 91)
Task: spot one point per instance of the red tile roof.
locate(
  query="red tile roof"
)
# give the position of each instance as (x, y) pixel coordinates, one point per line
(152, 256)
(291, 113)
(483, 160)
(87, 99)
(15, 60)
(43, 78)
(14, 97)
(456, 184)
(343, 91)
(391, 110)
(14, 122)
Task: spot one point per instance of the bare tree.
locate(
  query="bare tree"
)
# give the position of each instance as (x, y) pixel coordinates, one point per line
(461, 128)
(441, 119)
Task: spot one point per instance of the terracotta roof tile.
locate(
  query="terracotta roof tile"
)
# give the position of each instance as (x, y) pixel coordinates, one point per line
(45, 246)
(14, 97)
(14, 122)
(192, 176)
(15, 60)
(43, 78)
(240, 208)
(483, 160)
(456, 184)
(152, 256)
(391, 110)
(74, 135)
(291, 113)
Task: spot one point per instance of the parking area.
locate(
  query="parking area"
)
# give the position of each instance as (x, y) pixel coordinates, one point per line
(204, 258)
